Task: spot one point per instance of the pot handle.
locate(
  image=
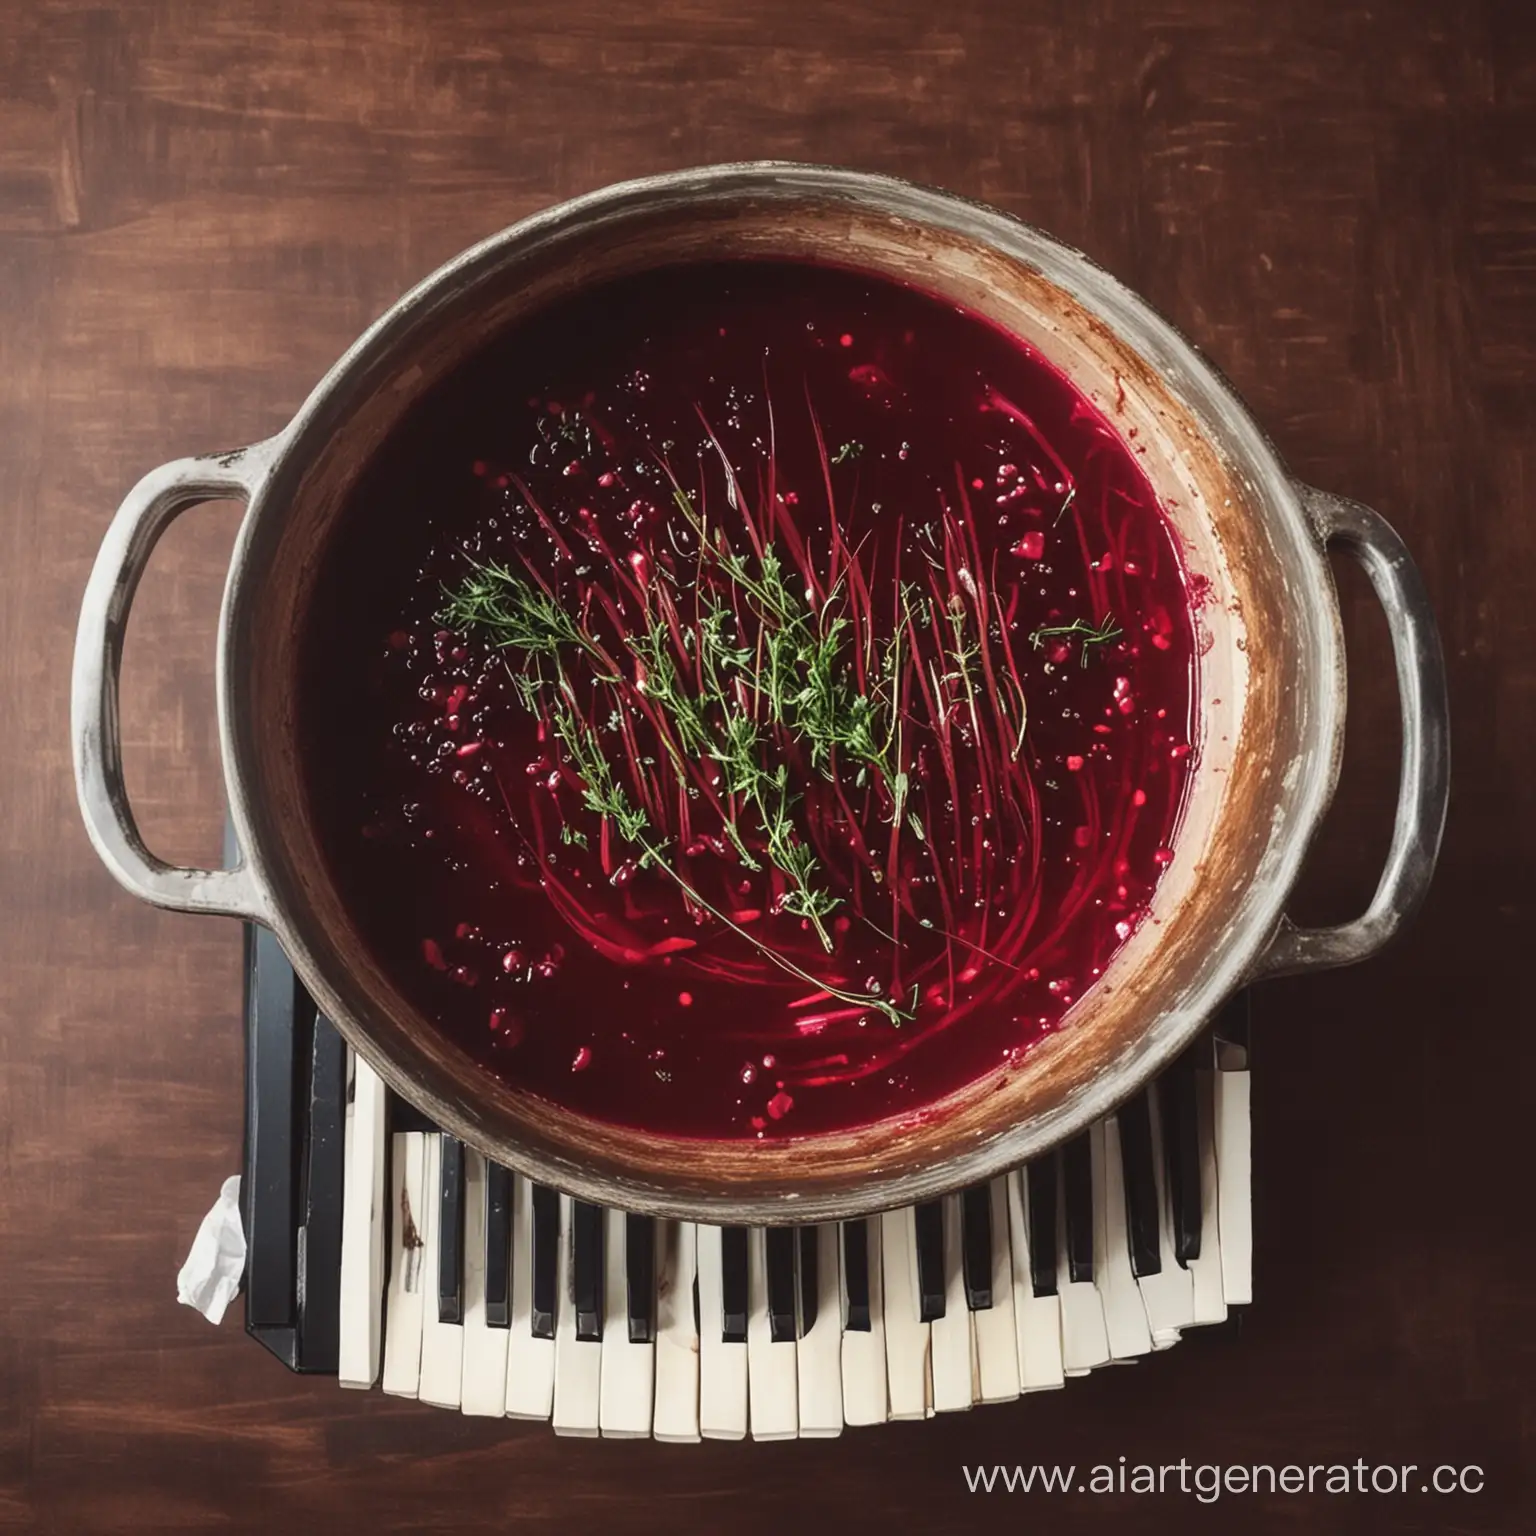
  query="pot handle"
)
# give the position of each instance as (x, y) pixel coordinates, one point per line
(1425, 780)
(147, 511)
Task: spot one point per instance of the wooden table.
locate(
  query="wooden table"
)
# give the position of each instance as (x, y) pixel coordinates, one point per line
(203, 201)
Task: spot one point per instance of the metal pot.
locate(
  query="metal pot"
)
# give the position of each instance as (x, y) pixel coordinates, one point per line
(1272, 685)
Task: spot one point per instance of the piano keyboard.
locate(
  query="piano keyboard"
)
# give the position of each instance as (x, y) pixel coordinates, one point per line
(392, 1256)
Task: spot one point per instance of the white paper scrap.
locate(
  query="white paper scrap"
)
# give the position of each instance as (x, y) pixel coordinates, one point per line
(210, 1279)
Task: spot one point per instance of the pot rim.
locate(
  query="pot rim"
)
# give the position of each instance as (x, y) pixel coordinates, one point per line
(1225, 424)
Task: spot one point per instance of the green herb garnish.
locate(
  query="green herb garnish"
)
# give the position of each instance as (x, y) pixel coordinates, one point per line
(751, 684)
(1089, 634)
(605, 797)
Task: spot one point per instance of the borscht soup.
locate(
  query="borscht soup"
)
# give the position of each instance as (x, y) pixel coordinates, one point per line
(750, 700)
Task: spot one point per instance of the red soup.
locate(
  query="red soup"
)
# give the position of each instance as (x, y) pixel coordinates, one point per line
(750, 700)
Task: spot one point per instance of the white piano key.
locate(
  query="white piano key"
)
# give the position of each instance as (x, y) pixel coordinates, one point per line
(1084, 1336)
(1234, 1175)
(722, 1366)
(1037, 1319)
(627, 1390)
(530, 1361)
(951, 1338)
(1125, 1314)
(773, 1387)
(677, 1334)
(908, 1373)
(1170, 1293)
(818, 1359)
(578, 1362)
(865, 1397)
(996, 1329)
(362, 1228)
(1205, 1271)
(442, 1344)
(484, 1384)
(408, 1283)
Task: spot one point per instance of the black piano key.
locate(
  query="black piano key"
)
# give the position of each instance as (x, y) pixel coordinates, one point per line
(808, 1252)
(450, 1232)
(640, 1277)
(546, 1259)
(587, 1270)
(976, 1246)
(733, 1285)
(406, 1117)
(498, 1246)
(1234, 1024)
(780, 1244)
(855, 1237)
(269, 1194)
(1178, 1102)
(928, 1224)
(1077, 1189)
(1141, 1212)
(319, 1270)
(1226, 1332)
(1040, 1178)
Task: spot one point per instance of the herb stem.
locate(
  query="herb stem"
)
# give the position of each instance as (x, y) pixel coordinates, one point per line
(1079, 629)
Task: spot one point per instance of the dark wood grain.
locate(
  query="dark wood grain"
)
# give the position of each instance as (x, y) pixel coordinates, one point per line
(203, 201)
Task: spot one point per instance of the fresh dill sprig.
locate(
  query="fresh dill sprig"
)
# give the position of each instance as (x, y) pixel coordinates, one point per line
(600, 791)
(509, 611)
(529, 684)
(768, 587)
(717, 656)
(737, 755)
(847, 451)
(741, 767)
(807, 902)
(603, 795)
(1079, 629)
(663, 685)
(824, 700)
